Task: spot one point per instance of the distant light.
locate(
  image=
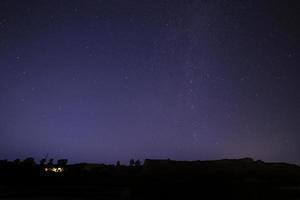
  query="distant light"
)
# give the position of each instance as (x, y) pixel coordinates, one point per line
(54, 169)
(60, 169)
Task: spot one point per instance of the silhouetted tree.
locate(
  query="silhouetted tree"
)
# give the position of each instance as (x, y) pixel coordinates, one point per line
(17, 161)
(43, 161)
(131, 162)
(50, 163)
(62, 162)
(118, 163)
(137, 163)
(3, 162)
(29, 161)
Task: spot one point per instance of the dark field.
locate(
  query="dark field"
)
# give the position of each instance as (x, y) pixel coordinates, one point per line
(156, 179)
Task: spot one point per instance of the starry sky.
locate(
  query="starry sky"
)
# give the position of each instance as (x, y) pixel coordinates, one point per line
(107, 80)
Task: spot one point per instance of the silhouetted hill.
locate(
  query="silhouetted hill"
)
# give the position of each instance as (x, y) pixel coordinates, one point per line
(245, 169)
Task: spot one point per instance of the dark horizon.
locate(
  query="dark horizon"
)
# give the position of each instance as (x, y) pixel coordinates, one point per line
(101, 80)
(69, 162)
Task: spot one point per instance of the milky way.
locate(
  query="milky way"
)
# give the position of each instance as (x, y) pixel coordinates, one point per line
(101, 81)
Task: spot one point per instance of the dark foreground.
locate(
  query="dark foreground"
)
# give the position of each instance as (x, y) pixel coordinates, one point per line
(241, 179)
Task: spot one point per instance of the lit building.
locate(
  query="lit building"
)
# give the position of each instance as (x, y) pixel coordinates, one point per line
(54, 169)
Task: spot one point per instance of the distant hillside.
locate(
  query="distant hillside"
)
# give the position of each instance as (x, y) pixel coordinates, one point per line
(245, 169)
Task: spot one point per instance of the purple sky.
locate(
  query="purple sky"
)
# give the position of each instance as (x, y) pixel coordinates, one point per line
(101, 81)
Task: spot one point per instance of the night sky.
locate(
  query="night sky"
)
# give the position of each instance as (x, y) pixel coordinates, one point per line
(107, 80)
